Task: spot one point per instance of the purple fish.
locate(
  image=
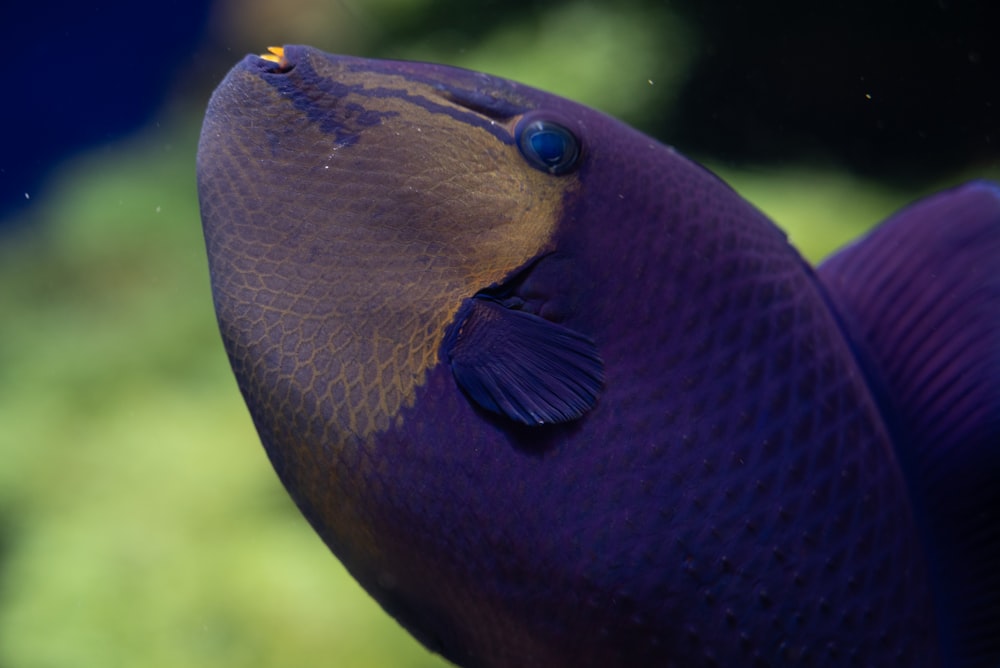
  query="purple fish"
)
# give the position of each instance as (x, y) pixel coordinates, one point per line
(558, 396)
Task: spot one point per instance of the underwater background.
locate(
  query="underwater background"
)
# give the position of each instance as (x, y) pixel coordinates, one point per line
(140, 522)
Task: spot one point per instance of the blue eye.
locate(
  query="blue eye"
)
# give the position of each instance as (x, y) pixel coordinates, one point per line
(548, 146)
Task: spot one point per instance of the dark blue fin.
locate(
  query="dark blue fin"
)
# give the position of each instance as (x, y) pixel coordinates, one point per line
(920, 299)
(517, 364)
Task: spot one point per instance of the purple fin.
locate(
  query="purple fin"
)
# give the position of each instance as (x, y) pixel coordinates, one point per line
(517, 364)
(919, 297)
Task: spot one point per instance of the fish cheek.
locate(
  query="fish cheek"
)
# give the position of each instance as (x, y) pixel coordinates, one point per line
(464, 195)
(469, 214)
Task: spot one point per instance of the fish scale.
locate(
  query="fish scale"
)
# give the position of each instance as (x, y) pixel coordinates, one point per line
(574, 402)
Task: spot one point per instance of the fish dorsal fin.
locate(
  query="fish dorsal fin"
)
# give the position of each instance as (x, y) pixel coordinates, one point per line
(920, 299)
(517, 364)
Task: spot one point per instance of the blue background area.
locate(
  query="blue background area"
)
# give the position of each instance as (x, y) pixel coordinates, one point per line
(82, 73)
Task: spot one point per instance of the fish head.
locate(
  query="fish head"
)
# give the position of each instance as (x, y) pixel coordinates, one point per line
(368, 199)
(375, 193)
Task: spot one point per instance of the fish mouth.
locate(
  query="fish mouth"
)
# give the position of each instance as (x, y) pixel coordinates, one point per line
(276, 56)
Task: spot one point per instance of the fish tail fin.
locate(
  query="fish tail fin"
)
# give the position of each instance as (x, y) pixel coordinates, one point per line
(919, 297)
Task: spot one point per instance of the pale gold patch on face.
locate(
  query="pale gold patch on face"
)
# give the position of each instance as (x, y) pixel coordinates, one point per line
(387, 227)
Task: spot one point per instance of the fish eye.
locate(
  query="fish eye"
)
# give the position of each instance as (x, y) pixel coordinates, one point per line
(547, 145)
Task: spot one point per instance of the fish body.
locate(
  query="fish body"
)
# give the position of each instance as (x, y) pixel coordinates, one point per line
(557, 396)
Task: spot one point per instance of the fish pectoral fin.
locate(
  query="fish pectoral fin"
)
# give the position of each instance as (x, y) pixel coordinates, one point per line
(919, 298)
(521, 366)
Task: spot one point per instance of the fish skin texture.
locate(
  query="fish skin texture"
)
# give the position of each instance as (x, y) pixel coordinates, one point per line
(732, 481)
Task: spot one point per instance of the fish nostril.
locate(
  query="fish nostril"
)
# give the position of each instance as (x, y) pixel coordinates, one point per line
(276, 55)
(480, 102)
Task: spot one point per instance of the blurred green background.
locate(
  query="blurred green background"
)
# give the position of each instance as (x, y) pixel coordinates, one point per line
(140, 522)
